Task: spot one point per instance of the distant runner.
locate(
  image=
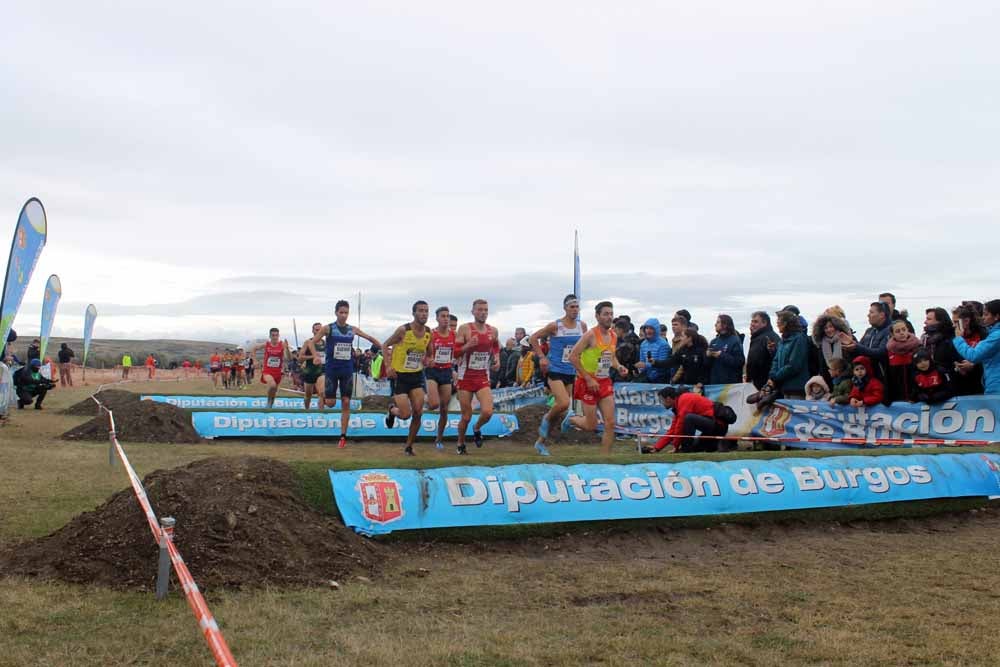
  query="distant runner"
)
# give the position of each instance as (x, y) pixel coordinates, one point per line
(275, 353)
(339, 369)
(241, 367)
(593, 357)
(409, 345)
(439, 373)
(478, 347)
(227, 368)
(561, 376)
(314, 357)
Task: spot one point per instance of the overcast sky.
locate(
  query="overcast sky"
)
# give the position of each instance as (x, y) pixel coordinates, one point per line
(210, 170)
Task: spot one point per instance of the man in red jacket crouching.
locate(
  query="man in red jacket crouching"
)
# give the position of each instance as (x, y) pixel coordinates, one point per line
(693, 413)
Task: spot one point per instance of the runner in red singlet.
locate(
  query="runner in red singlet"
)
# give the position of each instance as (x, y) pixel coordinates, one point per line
(275, 353)
(439, 370)
(477, 345)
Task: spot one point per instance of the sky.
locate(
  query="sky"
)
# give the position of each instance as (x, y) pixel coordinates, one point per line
(211, 170)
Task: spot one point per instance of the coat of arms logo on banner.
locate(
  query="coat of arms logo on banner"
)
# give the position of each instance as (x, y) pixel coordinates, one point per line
(381, 500)
(773, 424)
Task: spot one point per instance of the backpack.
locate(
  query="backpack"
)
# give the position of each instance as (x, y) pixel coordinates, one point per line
(724, 413)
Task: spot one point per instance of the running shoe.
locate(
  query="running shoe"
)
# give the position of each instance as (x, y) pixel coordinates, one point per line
(342, 443)
(544, 427)
(477, 437)
(461, 450)
(390, 419)
(566, 423)
(408, 451)
(439, 445)
(541, 448)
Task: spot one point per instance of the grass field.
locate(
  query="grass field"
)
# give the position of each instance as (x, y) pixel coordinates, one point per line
(811, 588)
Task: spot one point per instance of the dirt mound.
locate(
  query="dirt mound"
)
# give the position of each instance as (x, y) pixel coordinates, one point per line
(139, 421)
(113, 399)
(240, 522)
(530, 417)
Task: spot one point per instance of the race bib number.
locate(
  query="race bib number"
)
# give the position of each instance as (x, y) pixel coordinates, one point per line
(442, 355)
(565, 354)
(342, 351)
(274, 362)
(319, 358)
(414, 361)
(215, 364)
(604, 365)
(479, 361)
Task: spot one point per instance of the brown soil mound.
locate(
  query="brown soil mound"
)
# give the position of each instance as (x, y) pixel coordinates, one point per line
(530, 417)
(240, 522)
(139, 421)
(113, 399)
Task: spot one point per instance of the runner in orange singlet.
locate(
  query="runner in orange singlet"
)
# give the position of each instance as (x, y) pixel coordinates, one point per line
(593, 356)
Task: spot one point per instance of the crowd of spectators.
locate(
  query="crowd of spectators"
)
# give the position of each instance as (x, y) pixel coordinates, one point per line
(956, 353)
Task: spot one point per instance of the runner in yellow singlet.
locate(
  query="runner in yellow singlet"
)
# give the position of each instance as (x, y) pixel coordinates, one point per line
(409, 345)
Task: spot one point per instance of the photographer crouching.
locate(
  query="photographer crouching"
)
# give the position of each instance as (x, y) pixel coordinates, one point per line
(694, 414)
(31, 386)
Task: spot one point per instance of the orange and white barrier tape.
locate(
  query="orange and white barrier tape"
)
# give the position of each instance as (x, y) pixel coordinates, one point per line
(210, 629)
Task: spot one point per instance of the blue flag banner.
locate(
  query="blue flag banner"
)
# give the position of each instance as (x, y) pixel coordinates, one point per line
(237, 402)
(375, 502)
(509, 399)
(88, 330)
(809, 424)
(29, 238)
(327, 424)
(53, 292)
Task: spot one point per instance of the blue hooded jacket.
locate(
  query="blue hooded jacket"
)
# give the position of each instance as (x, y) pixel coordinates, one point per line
(987, 353)
(657, 350)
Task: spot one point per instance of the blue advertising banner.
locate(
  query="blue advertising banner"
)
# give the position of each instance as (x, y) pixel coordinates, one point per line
(961, 418)
(53, 292)
(310, 424)
(88, 330)
(29, 238)
(380, 501)
(237, 402)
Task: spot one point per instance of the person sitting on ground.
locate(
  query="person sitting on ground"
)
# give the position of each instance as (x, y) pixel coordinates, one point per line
(938, 332)
(840, 383)
(967, 378)
(875, 339)
(654, 354)
(763, 343)
(987, 351)
(817, 389)
(689, 359)
(829, 333)
(931, 383)
(790, 368)
(725, 353)
(868, 390)
(901, 346)
(693, 414)
(30, 385)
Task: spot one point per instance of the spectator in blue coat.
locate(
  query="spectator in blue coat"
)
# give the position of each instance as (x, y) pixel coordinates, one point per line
(986, 351)
(725, 353)
(790, 368)
(654, 354)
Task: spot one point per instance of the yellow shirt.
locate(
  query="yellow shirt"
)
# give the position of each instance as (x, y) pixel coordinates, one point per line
(408, 355)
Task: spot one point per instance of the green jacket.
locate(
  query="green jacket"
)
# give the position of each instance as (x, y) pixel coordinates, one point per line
(841, 392)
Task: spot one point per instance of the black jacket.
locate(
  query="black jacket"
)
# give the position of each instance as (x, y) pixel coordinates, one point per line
(759, 358)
